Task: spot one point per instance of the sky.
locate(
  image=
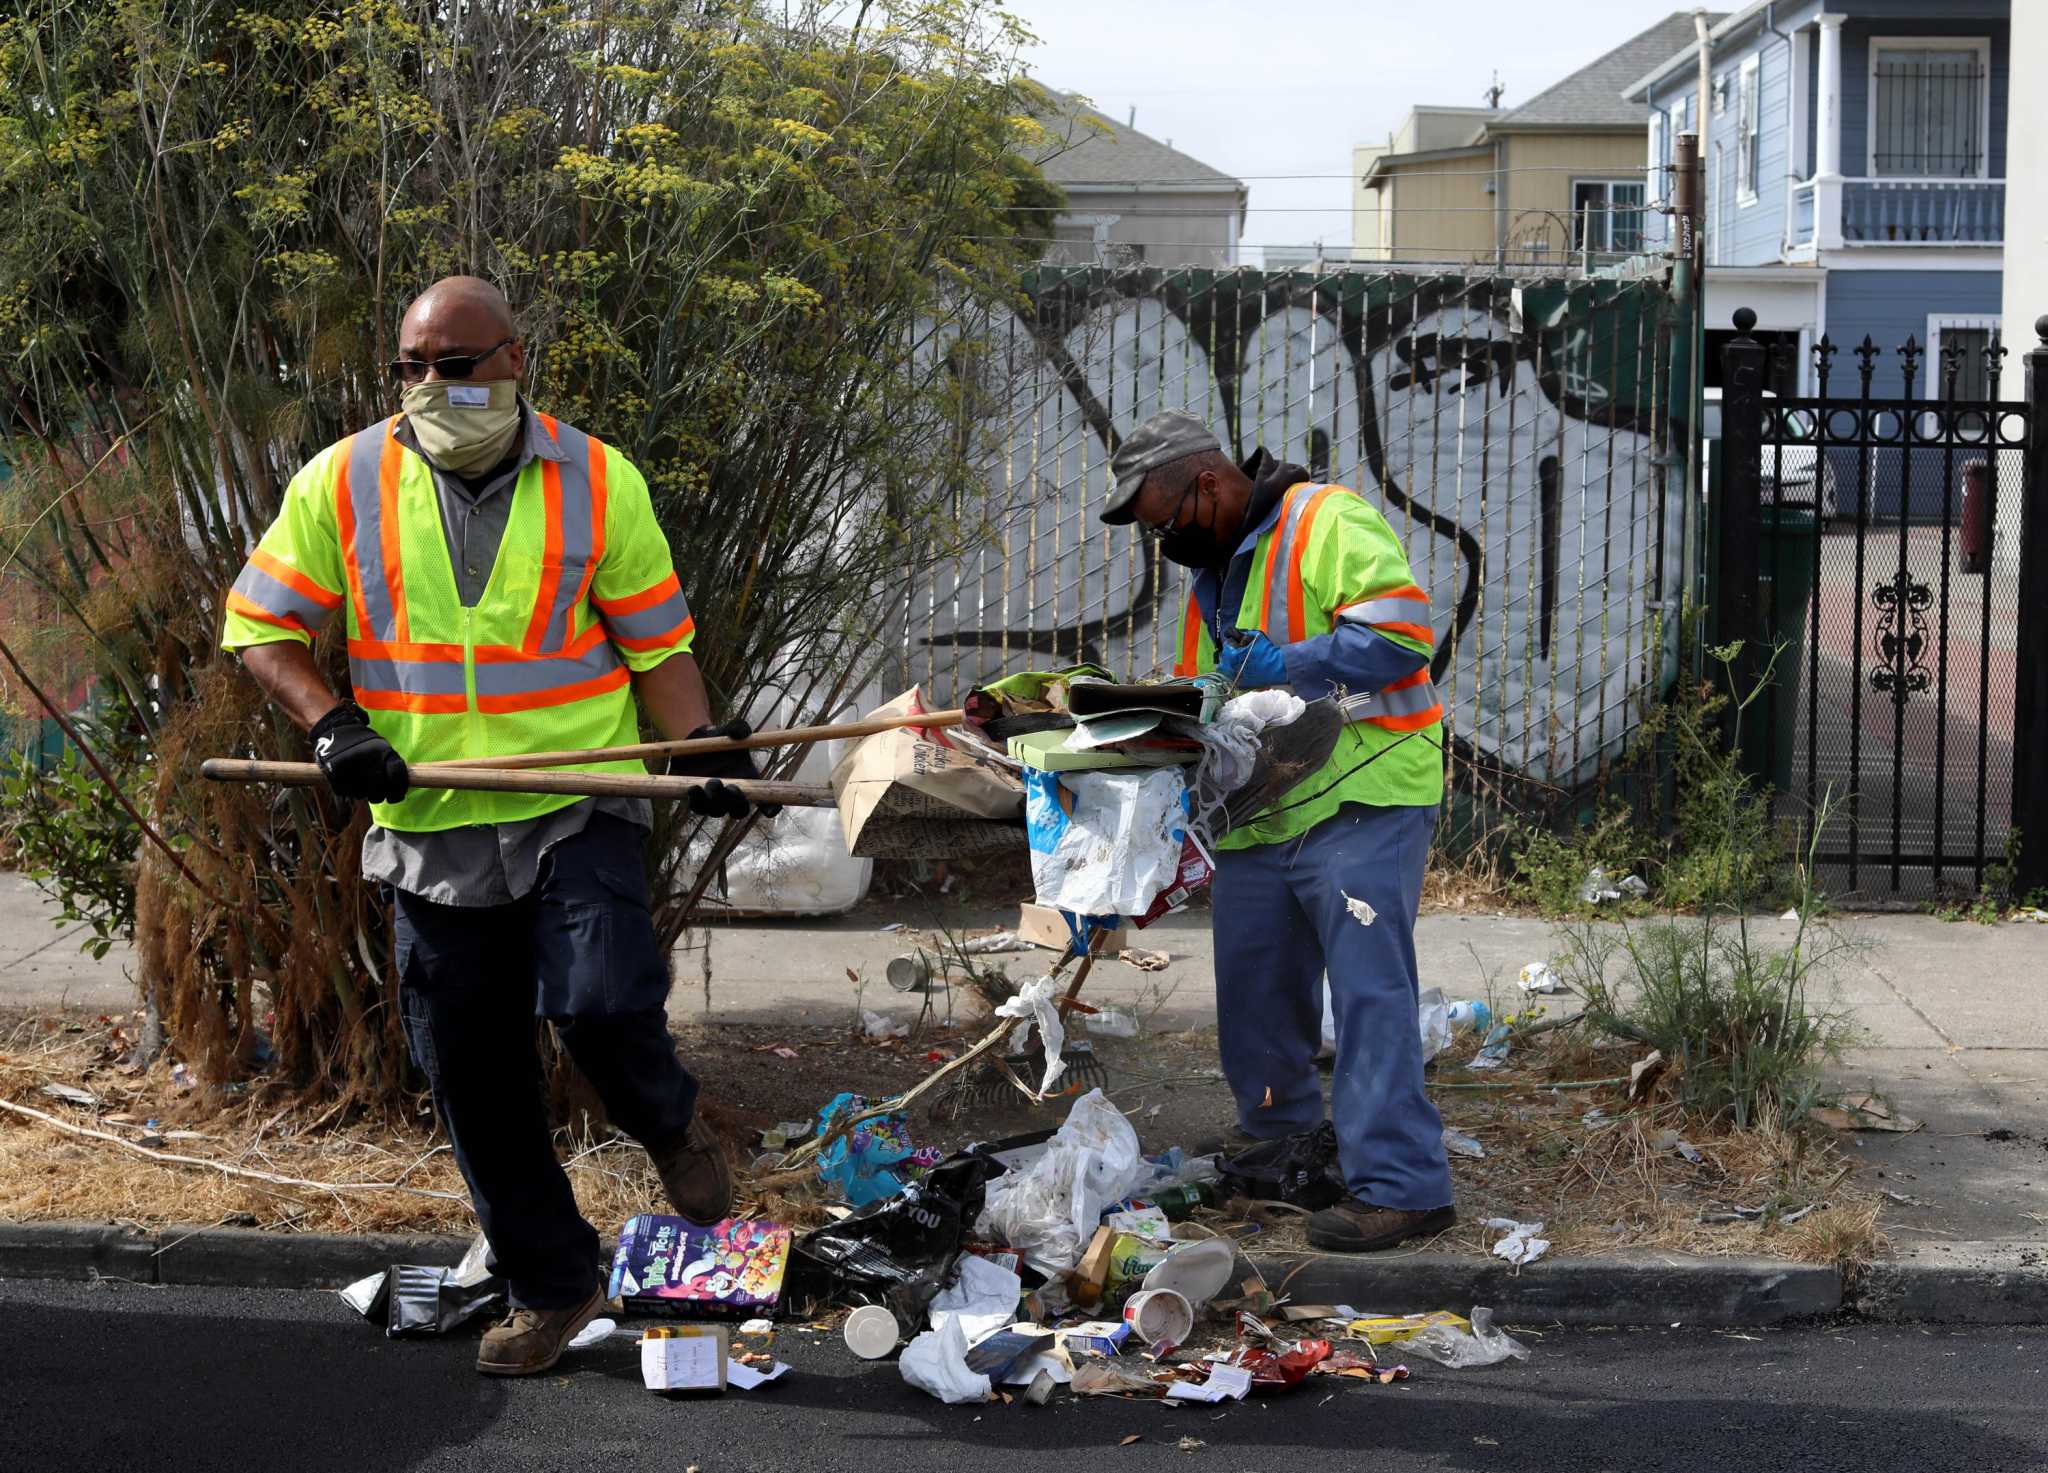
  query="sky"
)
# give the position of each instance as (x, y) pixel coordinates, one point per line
(1286, 89)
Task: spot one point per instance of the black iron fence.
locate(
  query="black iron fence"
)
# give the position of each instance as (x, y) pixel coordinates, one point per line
(1879, 553)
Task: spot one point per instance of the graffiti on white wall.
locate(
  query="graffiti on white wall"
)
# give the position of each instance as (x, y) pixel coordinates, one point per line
(1508, 437)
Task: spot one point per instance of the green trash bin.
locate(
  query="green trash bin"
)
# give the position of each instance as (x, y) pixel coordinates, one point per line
(1785, 591)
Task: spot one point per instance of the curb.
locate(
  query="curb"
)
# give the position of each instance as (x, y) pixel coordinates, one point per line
(2001, 1283)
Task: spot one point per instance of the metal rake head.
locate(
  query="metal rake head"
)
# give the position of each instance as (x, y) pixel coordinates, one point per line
(993, 1084)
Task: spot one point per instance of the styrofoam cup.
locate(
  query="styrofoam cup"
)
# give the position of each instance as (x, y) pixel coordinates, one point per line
(871, 1332)
(1160, 1316)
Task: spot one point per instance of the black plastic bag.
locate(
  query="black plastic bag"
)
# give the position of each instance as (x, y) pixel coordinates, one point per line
(433, 1301)
(900, 1251)
(1297, 1169)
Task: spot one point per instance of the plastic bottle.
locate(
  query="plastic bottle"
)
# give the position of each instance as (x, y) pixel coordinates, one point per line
(1470, 1014)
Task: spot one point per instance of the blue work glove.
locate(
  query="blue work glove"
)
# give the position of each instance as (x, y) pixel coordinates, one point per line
(1250, 660)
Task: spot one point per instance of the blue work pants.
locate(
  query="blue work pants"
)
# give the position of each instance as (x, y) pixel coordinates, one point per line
(1282, 920)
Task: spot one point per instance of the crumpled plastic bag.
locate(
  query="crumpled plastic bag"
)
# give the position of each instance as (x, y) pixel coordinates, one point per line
(936, 1362)
(1104, 843)
(1460, 1349)
(1048, 1210)
(1034, 1004)
(871, 1161)
(1521, 1245)
(983, 1298)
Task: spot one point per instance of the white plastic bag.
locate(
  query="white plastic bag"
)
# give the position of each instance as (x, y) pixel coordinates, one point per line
(1433, 1018)
(936, 1362)
(1450, 1346)
(1104, 843)
(1048, 1210)
(1034, 1004)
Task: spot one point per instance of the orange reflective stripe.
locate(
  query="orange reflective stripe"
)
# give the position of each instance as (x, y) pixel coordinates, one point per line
(248, 610)
(293, 579)
(646, 598)
(1415, 722)
(345, 520)
(387, 527)
(1296, 600)
(549, 423)
(551, 555)
(560, 695)
(393, 649)
(1190, 640)
(659, 641)
(1420, 632)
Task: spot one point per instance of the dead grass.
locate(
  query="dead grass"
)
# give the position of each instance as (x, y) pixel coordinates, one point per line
(1612, 1185)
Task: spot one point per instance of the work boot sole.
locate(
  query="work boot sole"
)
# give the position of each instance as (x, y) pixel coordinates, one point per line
(590, 1310)
(1440, 1221)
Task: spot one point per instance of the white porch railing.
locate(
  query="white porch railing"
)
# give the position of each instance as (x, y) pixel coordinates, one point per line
(1897, 212)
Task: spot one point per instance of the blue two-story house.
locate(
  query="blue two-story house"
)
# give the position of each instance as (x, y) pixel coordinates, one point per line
(1855, 178)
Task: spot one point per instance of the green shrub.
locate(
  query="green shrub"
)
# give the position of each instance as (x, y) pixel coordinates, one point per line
(74, 839)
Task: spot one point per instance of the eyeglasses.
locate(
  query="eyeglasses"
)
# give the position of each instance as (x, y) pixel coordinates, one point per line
(1171, 524)
(455, 365)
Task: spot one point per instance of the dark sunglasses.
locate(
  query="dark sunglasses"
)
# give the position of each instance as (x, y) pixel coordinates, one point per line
(454, 366)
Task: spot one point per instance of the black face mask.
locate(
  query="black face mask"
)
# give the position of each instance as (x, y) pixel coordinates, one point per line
(1193, 546)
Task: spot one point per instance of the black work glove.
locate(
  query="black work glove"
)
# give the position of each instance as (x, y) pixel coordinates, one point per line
(714, 799)
(358, 762)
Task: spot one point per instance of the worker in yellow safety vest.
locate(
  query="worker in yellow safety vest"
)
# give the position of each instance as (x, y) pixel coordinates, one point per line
(504, 588)
(1303, 585)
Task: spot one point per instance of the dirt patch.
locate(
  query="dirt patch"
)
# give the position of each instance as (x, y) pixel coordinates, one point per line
(1605, 1177)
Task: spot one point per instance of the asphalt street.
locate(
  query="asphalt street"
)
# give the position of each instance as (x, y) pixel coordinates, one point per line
(133, 1377)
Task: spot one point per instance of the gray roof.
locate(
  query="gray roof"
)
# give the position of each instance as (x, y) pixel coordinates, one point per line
(1110, 153)
(1591, 97)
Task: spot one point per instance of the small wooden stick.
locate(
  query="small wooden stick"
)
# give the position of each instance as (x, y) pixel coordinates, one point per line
(484, 779)
(697, 746)
(170, 1158)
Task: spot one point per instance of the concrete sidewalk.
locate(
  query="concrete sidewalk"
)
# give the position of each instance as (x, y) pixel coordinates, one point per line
(1954, 1019)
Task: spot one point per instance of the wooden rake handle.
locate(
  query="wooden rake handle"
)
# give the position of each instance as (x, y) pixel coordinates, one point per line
(698, 746)
(484, 779)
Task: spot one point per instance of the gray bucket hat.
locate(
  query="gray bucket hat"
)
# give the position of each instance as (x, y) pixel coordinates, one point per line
(1165, 437)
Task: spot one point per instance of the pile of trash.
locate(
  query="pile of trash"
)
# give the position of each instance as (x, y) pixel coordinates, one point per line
(1061, 1260)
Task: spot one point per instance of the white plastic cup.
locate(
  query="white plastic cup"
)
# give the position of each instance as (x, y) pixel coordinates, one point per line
(1160, 1316)
(871, 1332)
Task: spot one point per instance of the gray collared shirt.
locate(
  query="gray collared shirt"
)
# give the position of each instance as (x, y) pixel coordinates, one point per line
(488, 863)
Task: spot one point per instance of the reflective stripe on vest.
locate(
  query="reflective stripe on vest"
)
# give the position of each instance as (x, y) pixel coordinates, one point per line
(272, 591)
(1402, 610)
(551, 665)
(1286, 602)
(1409, 704)
(649, 620)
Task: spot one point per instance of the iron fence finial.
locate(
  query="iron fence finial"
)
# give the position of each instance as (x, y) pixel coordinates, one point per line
(1745, 319)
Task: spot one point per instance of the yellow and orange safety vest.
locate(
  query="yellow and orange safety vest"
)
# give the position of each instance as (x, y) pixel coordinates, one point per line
(583, 593)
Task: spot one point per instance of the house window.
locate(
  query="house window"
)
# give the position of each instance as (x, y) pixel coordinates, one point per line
(1973, 335)
(1747, 132)
(1930, 114)
(1607, 215)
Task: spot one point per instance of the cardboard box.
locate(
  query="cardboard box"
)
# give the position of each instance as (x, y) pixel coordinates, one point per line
(1041, 925)
(910, 792)
(1096, 1337)
(685, 1358)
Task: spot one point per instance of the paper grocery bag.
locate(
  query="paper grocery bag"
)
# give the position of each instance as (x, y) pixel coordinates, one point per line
(908, 792)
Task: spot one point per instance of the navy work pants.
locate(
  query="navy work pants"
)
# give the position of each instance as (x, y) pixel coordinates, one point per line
(1281, 920)
(578, 950)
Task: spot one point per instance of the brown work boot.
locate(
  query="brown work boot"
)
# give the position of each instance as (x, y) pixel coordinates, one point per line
(528, 1341)
(695, 1173)
(1353, 1226)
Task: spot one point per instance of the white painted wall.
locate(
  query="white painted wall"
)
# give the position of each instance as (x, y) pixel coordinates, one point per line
(2026, 225)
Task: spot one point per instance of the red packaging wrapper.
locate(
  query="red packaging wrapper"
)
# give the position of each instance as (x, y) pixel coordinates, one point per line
(1276, 1370)
(1189, 880)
